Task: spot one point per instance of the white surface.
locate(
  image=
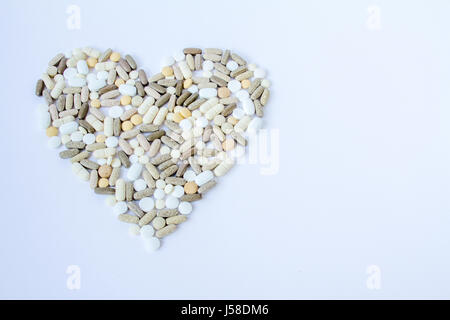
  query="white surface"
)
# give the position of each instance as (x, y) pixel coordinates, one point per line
(363, 118)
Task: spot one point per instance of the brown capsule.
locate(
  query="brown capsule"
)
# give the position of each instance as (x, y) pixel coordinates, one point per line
(147, 218)
(190, 100)
(162, 100)
(66, 154)
(183, 97)
(39, 87)
(191, 197)
(140, 89)
(131, 62)
(155, 135)
(165, 231)
(83, 111)
(124, 65)
(107, 190)
(143, 77)
(128, 218)
(207, 186)
(124, 159)
(192, 50)
(129, 190)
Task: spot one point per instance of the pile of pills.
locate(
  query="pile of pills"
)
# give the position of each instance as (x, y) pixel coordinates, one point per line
(153, 144)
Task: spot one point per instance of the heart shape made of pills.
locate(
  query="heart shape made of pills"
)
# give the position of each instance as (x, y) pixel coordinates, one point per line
(156, 143)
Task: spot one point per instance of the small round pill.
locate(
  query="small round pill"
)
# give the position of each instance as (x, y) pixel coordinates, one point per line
(160, 184)
(178, 191)
(115, 57)
(259, 73)
(96, 103)
(223, 92)
(139, 151)
(103, 183)
(232, 65)
(125, 100)
(158, 223)
(54, 142)
(164, 150)
(208, 65)
(100, 138)
(139, 185)
(189, 175)
(185, 207)
(136, 119)
(112, 142)
(152, 244)
(172, 202)
(120, 207)
(234, 86)
(146, 204)
(160, 204)
(134, 230)
(89, 138)
(159, 194)
(168, 188)
(167, 71)
(245, 84)
(127, 125)
(147, 231)
(105, 171)
(51, 131)
(134, 158)
(110, 200)
(190, 187)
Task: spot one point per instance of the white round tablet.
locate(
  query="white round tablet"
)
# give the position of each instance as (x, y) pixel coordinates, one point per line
(115, 112)
(151, 244)
(242, 94)
(208, 65)
(112, 142)
(178, 192)
(134, 230)
(172, 202)
(185, 124)
(120, 207)
(185, 207)
(54, 142)
(232, 65)
(159, 194)
(89, 138)
(147, 231)
(234, 85)
(139, 185)
(189, 175)
(146, 204)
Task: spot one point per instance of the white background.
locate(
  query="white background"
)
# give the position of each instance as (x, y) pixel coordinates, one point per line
(364, 171)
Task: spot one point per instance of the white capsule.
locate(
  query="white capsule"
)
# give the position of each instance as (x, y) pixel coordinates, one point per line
(68, 127)
(82, 67)
(207, 93)
(120, 190)
(80, 171)
(127, 90)
(204, 177)
(134, 171)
